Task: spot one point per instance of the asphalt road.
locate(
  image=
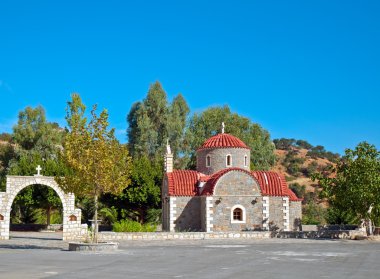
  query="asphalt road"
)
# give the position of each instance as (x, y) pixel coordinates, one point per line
(41, 255)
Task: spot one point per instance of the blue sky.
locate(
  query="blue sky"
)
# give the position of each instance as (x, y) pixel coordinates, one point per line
(302, 69)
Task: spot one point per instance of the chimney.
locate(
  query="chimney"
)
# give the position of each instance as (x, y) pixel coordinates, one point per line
(168, 159)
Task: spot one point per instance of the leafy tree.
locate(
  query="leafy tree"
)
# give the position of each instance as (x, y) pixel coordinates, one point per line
(313, 214)
(355, 188)
(153, 121)
(293, 163)
(303, 144)
(144, 193)
(208, 123)
(96, 161)
(284, 144)
(35, 141)
(5, 137)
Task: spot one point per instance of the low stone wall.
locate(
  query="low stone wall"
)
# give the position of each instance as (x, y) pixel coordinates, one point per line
(322, 234)
(107, 236)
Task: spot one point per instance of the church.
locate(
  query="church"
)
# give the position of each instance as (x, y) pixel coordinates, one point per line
(223, 194)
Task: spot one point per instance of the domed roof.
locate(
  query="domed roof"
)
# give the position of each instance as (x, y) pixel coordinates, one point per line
(223, 140)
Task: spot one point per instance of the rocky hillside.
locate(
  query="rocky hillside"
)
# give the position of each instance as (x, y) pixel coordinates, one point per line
(298, 160)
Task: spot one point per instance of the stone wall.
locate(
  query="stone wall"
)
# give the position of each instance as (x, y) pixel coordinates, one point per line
(295, 215)
(112, 236)
(218, 159)
(276, 213)
(188, 214)
(72, 227)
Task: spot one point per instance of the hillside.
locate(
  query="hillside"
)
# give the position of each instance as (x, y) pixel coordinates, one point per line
(298, 160)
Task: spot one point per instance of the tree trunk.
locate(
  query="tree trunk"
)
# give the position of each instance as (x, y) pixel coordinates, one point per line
(95, 240)
(48, 215)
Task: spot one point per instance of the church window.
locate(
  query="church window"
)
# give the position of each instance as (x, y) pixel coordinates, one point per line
(245, 161)
(208, 161)
(228, 161)
(238, 214)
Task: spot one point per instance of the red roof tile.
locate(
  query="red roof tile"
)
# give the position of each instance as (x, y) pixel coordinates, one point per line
(274, 184)
(183, 182)
(223, 141)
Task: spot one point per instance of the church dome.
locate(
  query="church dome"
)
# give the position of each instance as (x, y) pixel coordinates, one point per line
(223, 140)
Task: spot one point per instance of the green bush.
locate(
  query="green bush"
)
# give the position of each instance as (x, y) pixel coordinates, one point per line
(127, 225)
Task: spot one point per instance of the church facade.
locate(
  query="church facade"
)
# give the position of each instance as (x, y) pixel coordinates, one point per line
(223, 194)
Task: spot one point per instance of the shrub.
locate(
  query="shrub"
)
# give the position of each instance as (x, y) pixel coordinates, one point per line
(127, 225)
(298, 189)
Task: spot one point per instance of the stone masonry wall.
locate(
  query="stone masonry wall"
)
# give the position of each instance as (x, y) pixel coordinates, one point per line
(295, 215)
(218, 159)
(237, 189)
(188, 214)
(276, 214)
(72, 227)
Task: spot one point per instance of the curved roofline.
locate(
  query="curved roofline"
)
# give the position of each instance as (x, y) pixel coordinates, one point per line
(213, 180)
(223, 140)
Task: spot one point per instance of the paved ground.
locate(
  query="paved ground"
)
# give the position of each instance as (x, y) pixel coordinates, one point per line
(43, 255)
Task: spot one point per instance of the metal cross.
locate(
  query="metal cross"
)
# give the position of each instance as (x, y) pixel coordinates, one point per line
(38, 169)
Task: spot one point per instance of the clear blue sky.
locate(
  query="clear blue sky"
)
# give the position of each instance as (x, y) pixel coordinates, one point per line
(302, 69)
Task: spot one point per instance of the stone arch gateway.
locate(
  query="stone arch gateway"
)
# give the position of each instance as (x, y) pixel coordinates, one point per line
(72, 227)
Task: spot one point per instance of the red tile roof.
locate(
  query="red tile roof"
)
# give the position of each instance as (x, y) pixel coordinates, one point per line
(273, 184)
(223, 141)
(185, 183)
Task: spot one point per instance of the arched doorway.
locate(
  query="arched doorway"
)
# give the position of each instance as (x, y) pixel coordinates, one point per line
(72, 227)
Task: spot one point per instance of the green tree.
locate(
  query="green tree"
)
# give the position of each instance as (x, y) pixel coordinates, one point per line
(96, 161)
(208, 123)
(355, 188)
(154, 121)
(35, 142)
(144, 192)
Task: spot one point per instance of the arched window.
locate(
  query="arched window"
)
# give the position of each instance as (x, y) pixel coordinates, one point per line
(228, 160)
(238, 214)
(208, 161)
(245, 161)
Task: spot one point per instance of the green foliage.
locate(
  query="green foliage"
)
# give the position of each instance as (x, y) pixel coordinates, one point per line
(208, 123)
(303, 144)
(284, 144)
(355, 188)
(320, 152)
(5, 137)
(108, 215)
(32, 201)
(96, 162)
(144, 192)
(293, 163)
(127, 225)
(154, 121)
(310, 169)
(313, 214)
(298, 189)
(338, 217)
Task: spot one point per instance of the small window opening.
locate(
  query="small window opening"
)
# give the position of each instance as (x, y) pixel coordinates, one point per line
(238, 214)
(208, 161)
(245, 161)
(228, 160)
(1, 217)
